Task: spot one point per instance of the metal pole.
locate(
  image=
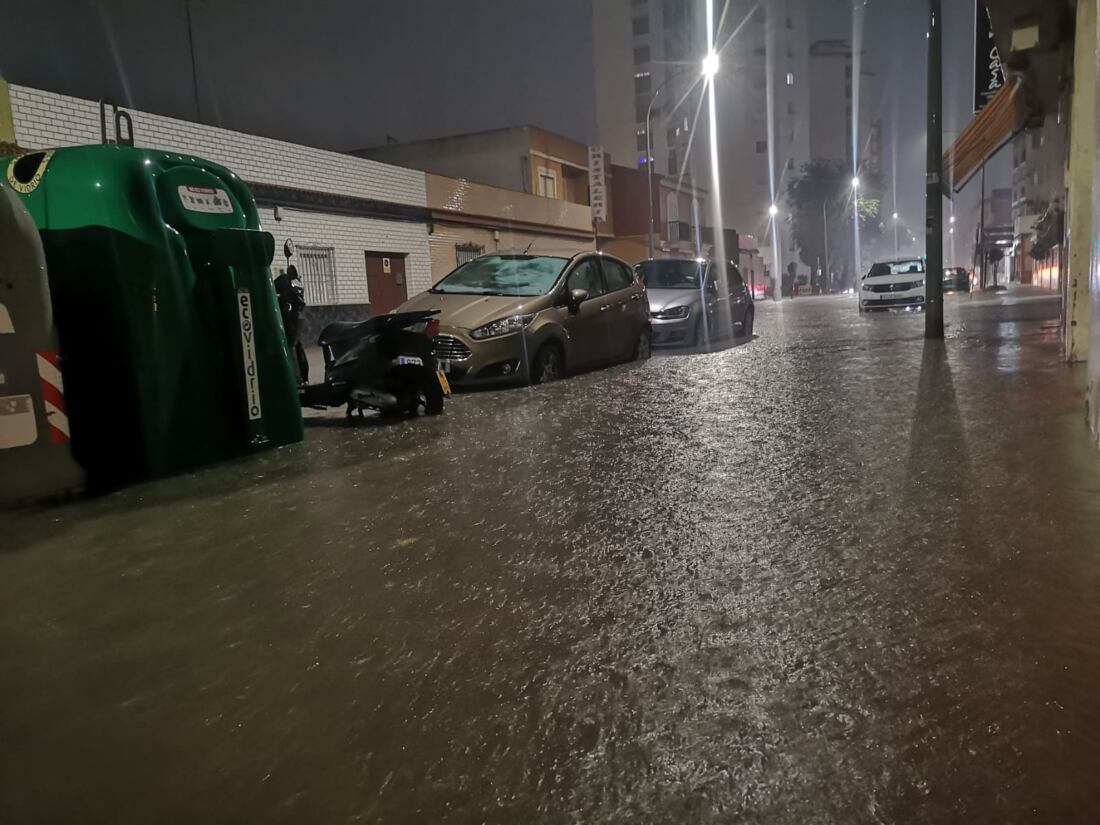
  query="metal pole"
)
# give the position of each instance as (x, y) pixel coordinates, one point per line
(981, 235)
(649, 166)
(897, 246)
(825, 222)
(194, 69)
(933, 278)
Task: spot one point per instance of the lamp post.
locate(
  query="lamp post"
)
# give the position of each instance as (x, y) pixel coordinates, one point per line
(825, 224)
(933, 317)
(649, 162)
(710, 69)
(897, 245)
(649, 154)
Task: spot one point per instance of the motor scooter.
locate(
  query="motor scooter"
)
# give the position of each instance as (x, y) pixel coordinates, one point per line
(385, 363)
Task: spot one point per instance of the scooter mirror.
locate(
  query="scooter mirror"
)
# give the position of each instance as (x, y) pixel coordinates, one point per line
(288, 249)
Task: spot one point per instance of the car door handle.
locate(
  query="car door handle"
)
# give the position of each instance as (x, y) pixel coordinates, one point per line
(635, 297)
(605, 307)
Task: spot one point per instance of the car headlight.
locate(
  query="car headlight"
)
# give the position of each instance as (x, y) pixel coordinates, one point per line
(504, 326)
(672, 314)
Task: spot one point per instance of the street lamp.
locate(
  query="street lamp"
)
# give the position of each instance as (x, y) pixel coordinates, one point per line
(709, 70)
(649, 161)
(711, 62)
(773, 210)
(897, 244)
(710, 65)
(855, 182)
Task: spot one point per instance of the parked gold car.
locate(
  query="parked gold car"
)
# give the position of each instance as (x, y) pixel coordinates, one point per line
(536, 317)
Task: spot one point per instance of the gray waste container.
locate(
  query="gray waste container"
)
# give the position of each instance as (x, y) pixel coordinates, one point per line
(35, 459)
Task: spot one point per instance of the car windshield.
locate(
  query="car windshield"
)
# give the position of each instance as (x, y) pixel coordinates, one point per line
(671, 274)
(882, 270)
(519, 275)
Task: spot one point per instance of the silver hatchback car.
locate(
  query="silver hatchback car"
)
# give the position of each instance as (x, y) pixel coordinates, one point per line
(692, 302)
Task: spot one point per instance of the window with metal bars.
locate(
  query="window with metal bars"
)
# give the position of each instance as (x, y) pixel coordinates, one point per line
(466, 252)
(317, 269)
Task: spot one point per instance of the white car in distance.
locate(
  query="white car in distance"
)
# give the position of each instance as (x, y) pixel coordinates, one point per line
(893, 285)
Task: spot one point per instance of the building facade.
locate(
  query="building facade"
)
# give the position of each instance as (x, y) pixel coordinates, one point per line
(340, 211)
(367, 234)
(681, 216)
(993, 239)
(832, 80)
(1052, 49)
(470, 219)
(648, 57)
(520, 159)
(1038, 201)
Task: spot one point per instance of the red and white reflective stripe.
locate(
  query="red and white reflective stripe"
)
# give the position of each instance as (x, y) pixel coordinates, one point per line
(53, 394)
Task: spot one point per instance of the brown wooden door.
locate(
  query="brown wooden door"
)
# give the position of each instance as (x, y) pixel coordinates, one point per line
(386, 287)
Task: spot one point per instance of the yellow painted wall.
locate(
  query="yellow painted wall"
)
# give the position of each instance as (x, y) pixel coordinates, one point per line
(7, 125)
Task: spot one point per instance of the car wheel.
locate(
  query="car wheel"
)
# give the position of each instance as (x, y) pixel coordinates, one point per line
(643, 347)
(747, 326)
(697, 337)
(549, 364)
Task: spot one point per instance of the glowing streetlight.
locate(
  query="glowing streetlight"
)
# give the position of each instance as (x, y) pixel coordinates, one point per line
(855, 182)
(895, 216)
(952, 219)
(773, 210)
(710, 65)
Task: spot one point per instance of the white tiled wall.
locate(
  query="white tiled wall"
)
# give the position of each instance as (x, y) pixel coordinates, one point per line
(44, 119)
(351, 238)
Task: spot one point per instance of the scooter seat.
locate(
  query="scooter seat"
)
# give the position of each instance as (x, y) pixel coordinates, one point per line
(339, 331)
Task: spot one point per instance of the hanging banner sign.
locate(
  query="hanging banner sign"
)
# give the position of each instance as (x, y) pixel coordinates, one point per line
(989, 73)
(597, 182)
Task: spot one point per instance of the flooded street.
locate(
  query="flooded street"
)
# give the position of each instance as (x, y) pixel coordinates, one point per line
(835, 575)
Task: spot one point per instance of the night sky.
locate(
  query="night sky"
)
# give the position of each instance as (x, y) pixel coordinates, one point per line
(347, 73)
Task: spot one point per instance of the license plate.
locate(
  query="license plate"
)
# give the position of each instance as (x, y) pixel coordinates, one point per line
(444, 383)
(410, 359)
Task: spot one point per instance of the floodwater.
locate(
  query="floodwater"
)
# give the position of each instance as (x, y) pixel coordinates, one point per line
(836, 575)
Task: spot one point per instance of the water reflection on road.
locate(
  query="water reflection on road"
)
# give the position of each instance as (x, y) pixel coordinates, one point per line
(836, 575)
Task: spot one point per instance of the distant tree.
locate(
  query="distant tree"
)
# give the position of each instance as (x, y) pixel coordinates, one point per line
(821, 192)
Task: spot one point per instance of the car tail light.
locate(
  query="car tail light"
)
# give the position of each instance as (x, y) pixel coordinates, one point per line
(431, 329)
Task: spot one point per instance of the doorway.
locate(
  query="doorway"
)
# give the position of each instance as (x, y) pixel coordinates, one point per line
(386, 287)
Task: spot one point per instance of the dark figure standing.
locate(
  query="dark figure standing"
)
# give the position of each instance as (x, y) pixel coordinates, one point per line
(292, 302)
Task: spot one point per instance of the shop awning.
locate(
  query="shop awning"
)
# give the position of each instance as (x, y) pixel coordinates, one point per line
(1000, 121)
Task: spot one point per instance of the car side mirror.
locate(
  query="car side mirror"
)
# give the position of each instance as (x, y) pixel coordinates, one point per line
(576, 298)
